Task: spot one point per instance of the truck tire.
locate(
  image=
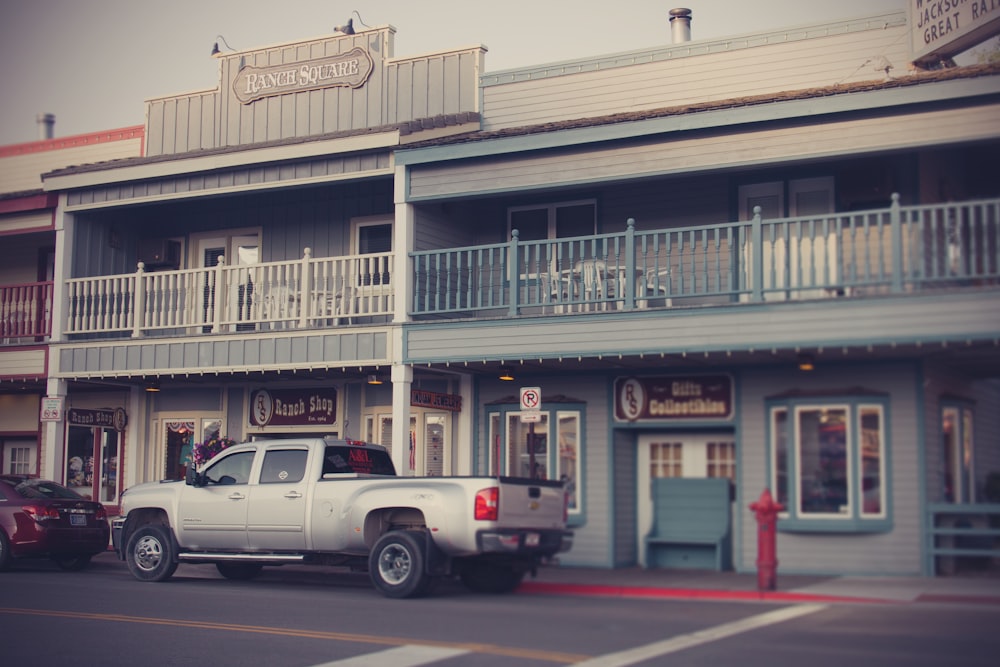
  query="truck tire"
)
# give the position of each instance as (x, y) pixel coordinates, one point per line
(239, 571)
(490, 577)
(150, 553)
(396, 564)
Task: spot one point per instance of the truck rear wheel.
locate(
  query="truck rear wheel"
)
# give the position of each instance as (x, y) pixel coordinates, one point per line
(491, 577)
(150, 553)
(396, 564)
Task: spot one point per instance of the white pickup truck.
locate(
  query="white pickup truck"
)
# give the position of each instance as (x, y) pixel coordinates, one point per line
(334, 502)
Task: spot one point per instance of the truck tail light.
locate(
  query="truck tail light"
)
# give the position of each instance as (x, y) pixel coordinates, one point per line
(488, 504)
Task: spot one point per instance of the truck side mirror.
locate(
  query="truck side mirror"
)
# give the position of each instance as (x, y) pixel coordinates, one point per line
(192, 478)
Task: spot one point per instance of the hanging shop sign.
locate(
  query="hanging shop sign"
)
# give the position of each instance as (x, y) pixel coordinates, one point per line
(293, 407)
(115, 418)
(347, 70)
(674, 398)
(430, 399)
(940, 29)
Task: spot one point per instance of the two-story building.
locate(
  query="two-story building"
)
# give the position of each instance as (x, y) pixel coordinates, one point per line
(27, 265)
(673, 277)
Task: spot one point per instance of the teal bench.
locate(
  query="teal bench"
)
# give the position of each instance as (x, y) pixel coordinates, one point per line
(691, 524)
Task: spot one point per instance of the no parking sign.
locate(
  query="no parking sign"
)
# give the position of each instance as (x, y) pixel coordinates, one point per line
(531, 404)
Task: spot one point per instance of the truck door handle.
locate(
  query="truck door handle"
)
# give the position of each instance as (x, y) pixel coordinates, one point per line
(293, 495)
(236, 496)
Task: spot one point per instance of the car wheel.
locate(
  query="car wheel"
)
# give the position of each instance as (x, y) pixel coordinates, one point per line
(5, 556)
(150, 553)
(72, 563)
(396, 564)
(239, 571)
(490, 578)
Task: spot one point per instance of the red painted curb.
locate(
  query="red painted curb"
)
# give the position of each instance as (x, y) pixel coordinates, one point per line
(595, 590)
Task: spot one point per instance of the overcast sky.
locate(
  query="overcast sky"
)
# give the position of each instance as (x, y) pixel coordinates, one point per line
(93, 63)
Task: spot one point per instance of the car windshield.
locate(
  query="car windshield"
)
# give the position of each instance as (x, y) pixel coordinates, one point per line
(36, 489)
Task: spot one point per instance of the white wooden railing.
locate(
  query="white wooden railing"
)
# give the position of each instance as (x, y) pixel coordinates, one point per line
(308, 292)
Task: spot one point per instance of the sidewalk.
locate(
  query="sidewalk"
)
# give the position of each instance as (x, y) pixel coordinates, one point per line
(698, 584)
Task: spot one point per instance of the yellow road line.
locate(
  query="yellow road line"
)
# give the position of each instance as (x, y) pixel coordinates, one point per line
(492, 649)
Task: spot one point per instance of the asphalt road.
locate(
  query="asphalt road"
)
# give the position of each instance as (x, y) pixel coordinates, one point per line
(298, 617)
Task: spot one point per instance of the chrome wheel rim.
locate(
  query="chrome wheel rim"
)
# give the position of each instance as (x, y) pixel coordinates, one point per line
(394, 564)
(148, 553)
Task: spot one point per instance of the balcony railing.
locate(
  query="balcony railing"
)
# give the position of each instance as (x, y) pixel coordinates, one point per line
(25, 312)
(892, 250)
(299, 293)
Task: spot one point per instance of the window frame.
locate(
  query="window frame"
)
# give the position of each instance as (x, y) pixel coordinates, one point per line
(964, 476)
(499, 416)
(854, 518)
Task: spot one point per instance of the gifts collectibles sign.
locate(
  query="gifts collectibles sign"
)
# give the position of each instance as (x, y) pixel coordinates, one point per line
(680, 398)
(293, 407)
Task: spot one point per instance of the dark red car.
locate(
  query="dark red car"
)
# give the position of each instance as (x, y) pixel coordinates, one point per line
(42, 519)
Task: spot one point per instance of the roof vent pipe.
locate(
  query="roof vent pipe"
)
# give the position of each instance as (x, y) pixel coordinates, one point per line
(680, 25)
(46, 125)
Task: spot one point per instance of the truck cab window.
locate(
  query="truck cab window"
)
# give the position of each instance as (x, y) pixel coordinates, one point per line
(232, 469)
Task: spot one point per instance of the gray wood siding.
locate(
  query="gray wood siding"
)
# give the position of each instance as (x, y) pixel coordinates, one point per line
(684, 153)
(826, 323)
(398, 90)
(224, 354)
(883, 553)
(591, 543)
(434, 230)
(624, 496)
(269, 176)
(695, 72)
(684, 202)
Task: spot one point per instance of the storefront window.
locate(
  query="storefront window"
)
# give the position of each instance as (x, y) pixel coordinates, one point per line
(548, 445)
(828, 464)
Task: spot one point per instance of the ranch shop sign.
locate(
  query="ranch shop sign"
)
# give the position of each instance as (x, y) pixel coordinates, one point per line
(348, 70)
(674, 398)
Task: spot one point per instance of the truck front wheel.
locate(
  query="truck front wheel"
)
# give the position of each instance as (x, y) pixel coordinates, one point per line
(150, 553)
(396, 564)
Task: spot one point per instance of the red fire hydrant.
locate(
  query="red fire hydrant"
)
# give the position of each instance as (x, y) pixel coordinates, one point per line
(766, 510)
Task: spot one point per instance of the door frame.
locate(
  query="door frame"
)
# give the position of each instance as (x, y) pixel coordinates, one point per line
(691, 466)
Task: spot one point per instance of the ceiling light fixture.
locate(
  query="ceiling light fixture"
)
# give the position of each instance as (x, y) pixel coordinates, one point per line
(506, 375)
(373, 379)
(806, 362)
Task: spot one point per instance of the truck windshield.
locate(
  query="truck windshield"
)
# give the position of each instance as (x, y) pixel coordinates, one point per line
(347, 459)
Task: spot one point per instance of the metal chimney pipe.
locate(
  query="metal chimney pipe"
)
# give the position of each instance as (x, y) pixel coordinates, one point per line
(680, 25)
(46, 125)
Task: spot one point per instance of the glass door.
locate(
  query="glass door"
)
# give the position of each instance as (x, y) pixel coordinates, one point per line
(92, 456)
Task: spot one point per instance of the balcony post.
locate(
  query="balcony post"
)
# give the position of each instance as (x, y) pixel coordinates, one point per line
(514, 272)
(896, 231)
(306, 298)
(757, 252)
(139, 301)
(631, 275)
(218, 293)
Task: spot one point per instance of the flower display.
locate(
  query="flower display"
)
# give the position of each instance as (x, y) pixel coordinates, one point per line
(205, 451)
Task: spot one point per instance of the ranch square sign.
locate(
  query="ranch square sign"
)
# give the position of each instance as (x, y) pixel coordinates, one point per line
(348, 70)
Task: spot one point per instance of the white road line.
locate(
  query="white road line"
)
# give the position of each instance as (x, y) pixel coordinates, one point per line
(674, 644)
(401, 656)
